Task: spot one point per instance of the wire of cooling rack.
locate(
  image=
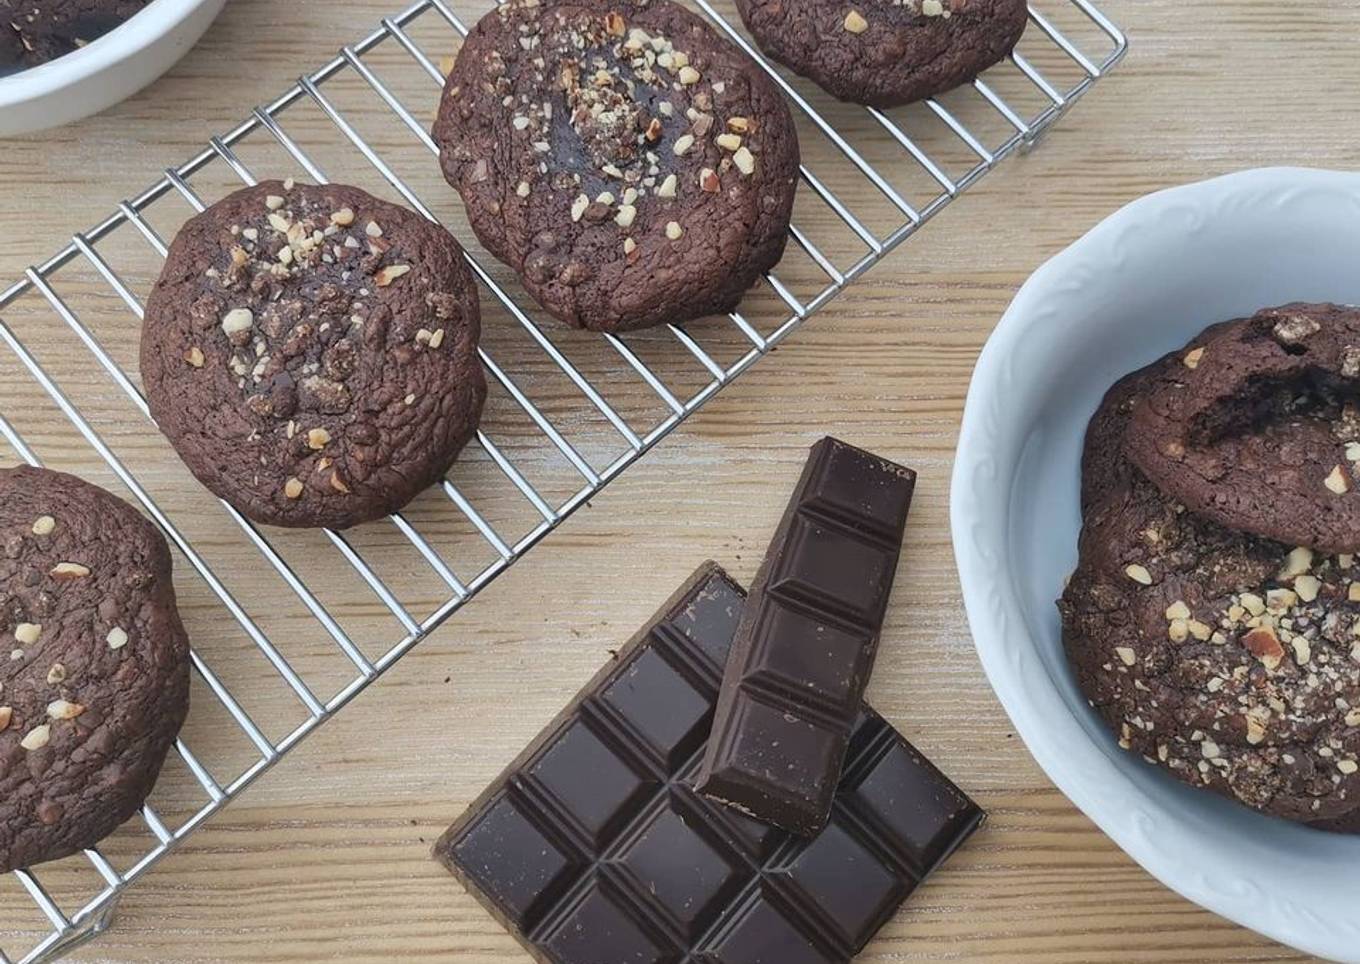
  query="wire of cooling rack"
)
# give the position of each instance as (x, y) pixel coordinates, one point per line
(64, 929)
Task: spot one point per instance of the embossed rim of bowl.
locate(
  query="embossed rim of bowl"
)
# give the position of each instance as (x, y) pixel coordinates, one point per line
(108, 70)
(1307, 907)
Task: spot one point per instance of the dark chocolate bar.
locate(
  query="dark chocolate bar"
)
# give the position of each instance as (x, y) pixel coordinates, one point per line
(594, 848)
(805, 646)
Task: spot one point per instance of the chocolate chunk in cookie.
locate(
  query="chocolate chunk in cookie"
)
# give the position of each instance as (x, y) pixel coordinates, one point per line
(33, 32)
(94, 668)
(634, 168)
(886, 54)
(1230, 660)
(311, 353)
(1258, 427)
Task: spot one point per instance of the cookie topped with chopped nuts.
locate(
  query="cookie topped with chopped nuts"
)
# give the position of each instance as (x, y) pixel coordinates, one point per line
(311, 353)
(1258, 426)
(33, 32)
(1230, 660)
(630, 165)
(94, 676)
(886, 53)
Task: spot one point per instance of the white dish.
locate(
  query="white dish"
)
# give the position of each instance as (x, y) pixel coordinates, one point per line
(1138, 285)
(110, 69)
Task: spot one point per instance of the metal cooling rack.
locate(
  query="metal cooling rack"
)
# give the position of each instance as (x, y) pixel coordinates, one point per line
(916, 173)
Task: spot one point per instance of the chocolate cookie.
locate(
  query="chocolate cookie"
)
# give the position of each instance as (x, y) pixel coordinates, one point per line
(886, 54)
(633, 167)
(96, 682)
(36, 31)
(1258, 427)
(311, 353)
(1230, 660)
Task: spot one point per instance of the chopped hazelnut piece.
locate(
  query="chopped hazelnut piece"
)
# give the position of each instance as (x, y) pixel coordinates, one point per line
(1280, 600)
(1126, 655)
(1199, 630)
(745, 161)
(688, 76)
(293, 488)
(738, 125)
(629, 245)
(728, 142)
(1178, 610)
(709, 182)
(522, 189)
(674, 231)
(26, 634)
(1303, 651)
(338, 484)
(667, 188)
(1192, 358)
(37, 737)
(1265, 646)
(237, 320)
(389, 274)
(1299, 560)
(6, 714)
(437, 338)
(1337, 481)
(344, 217)
(578, 207)
(1252, 603)
(117, 638)
(855, 22)
(1138, 574)
(69, 570)
(64, 710)
(57, 674)
(1256, 731)
(1178, 631)
(1347, 766)
(682, 144)
(932, 8)
(43, 525)
(318, 438)
(1307, 587)
(372, 230)
(625, 216)
(273, 202)
(194, 356)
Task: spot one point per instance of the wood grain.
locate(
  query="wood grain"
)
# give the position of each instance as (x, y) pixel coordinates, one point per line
(326, 859)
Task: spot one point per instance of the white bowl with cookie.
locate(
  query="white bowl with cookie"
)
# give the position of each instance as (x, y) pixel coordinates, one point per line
(103, 71)
(1139, 285)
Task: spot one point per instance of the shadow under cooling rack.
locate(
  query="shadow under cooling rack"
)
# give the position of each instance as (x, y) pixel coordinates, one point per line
(569, 411)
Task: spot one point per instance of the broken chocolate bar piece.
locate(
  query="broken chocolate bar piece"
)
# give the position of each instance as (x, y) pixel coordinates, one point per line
(594, 848)
(807, 639)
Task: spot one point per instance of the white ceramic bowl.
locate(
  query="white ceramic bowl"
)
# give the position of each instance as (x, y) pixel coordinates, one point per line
(1138, 285)
(110, 69)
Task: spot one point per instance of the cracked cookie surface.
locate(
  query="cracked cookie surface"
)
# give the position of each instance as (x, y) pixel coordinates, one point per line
(1258, 427)
(630, 165)
(1230, 660)
(94, 683)
(886, 53)
(311, 353)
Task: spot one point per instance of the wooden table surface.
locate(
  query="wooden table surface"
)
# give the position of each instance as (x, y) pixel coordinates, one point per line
(327, 858)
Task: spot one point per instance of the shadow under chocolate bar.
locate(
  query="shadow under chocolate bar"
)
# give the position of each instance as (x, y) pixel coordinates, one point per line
(807, 639)
(594, 848)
